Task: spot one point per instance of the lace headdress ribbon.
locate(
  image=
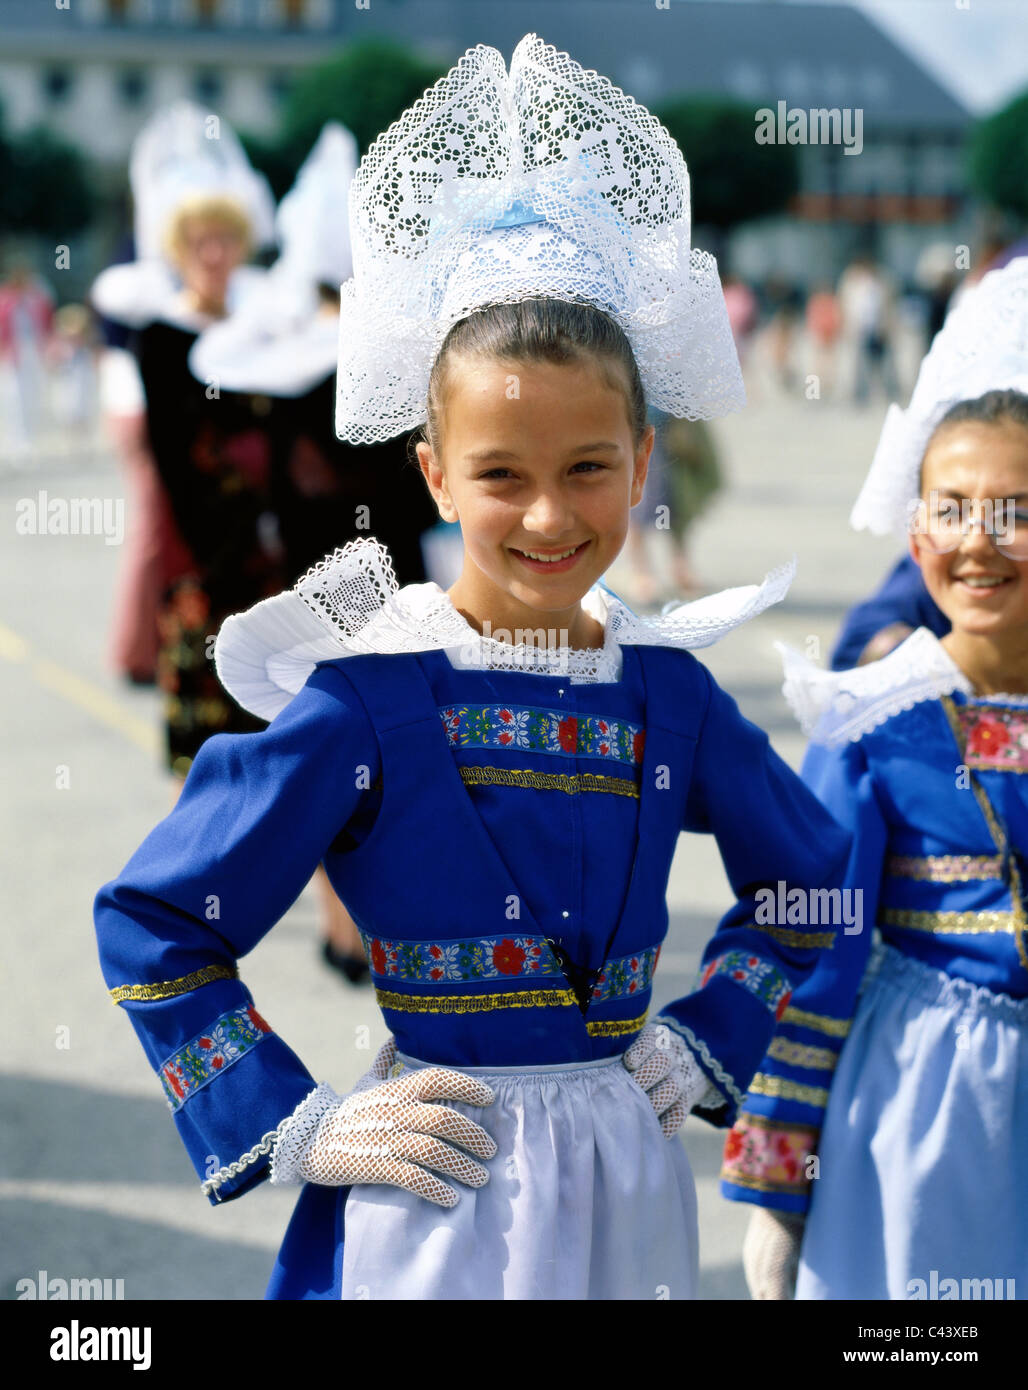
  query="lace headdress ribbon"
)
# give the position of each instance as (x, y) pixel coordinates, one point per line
(497, 186)
(982, 346)
(838, 707)
(350, 605)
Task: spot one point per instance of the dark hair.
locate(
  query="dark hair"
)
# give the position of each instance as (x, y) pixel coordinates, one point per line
(991, 409)
(540, 330)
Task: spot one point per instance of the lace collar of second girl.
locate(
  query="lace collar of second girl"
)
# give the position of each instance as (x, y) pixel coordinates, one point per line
(350, 604)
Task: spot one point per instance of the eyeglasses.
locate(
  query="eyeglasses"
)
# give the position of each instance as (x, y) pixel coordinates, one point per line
(941, 526)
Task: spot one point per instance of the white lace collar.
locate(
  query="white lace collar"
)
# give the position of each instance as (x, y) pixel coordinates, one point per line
(838, 707)
(350, 604)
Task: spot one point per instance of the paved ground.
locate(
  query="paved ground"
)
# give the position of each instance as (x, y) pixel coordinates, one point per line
(93, 1180)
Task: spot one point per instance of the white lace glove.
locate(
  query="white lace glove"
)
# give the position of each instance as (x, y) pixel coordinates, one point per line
(673, 1080)
(771, 1253)
(386, 1132)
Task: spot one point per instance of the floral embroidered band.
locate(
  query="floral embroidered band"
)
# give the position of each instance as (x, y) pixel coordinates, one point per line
(768, 1155)
(995, 737)
(571, 782)
(499, 957)
(759, 976)
(543, 731)
(229, 1038)
(489, 1003)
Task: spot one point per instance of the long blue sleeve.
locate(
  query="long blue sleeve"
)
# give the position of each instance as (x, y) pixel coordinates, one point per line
(776, 840)
(769, 1154)
(256, 816)
(901, 598)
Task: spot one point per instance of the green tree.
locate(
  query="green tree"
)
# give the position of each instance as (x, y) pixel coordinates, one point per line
(733, 178)
(998, 157)
(366, 87)
(44, 186)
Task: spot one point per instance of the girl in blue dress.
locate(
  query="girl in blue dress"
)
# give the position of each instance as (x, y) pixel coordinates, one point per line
(894, 1114)
(495, 776)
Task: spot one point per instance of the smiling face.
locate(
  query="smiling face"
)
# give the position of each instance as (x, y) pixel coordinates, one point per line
(982, 591)
(538, 464)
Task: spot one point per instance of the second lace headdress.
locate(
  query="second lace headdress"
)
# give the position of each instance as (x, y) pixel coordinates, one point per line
(497, 186)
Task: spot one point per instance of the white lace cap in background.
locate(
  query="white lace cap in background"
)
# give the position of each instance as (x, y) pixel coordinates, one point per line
(282, 341)
(179, 153)
(838, 707)
(982, 346)
(547, 181)
(350, 604)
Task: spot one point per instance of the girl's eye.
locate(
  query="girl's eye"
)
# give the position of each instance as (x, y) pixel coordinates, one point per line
(494, 472)
(590, 464)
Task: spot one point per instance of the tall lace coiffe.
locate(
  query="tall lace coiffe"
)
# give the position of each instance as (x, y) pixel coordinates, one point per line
(982, 346)
(497, 186)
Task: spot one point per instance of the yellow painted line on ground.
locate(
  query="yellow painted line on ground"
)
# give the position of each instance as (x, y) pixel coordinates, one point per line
(81, 693)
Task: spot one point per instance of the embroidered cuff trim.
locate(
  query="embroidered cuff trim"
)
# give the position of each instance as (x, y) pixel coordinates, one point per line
(945, 868)
(167, 989)
(768, 1155)
(809, 939)
(615, 1028)
(209, 1054)
(702, 1050)
(820, 1023)
(948, 923)
(783, 1089)
(795, 1054)
(232, 1170)
(755, 974)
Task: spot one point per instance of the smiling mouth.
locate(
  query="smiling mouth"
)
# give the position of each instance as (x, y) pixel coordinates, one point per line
(550, 557)
(982, 582)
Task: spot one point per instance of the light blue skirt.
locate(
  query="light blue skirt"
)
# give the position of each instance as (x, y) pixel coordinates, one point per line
(923, 1188)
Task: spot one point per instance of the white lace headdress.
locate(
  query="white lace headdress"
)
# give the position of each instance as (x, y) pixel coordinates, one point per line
(497, 186)
(181, 151)
(982, 346)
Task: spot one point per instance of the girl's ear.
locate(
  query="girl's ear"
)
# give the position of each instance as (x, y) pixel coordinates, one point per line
(642, 463)
(436, 480)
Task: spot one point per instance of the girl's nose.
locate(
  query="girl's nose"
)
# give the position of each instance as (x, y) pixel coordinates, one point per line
(549, 515)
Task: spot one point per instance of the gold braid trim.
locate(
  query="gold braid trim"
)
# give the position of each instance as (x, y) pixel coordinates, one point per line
(615, 1028)
(825, 939)
(796, 1054)
(475, 1003)
(571, 782)
(1019, 915)
(783, 1089)
(820, 1023)
(945, 868)
(954, 923)
(167, 989)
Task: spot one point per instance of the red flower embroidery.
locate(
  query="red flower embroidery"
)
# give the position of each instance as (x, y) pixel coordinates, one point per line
(505, 715)
(604, 748)
(632, 986)
(435, 973)
(782, 1145)
(206, 1042)
(378, 958)
(567, 734)
(987, 737)
(783, 1004)
(634, 962)
(435, 952)
(173, 1081)
(791, 1169)
(256, 1020)
(505, 739)
(508, 957)
(217, 1063)
(733, 1145)
(638, 742)
(602, 725)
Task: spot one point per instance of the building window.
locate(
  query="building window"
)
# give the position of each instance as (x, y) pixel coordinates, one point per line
(207, 86)
(131, 86)
(57, 84)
